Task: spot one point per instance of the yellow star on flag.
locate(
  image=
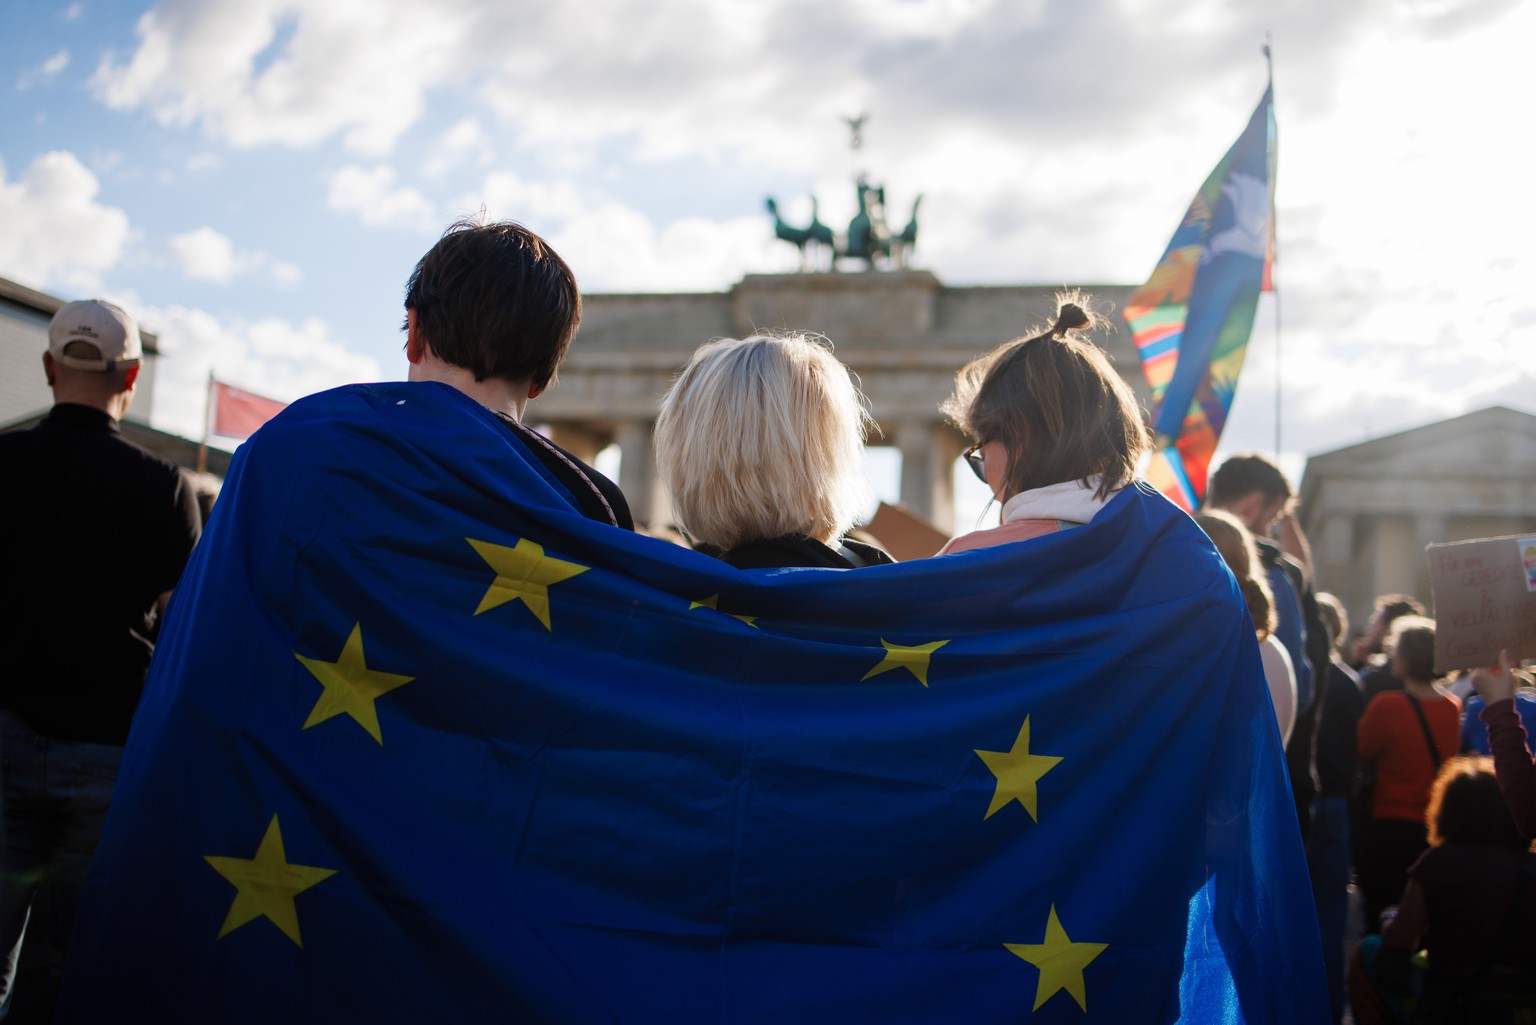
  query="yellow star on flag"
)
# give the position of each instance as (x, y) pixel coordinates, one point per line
(266, 885)
(350, 686)
(713, 602)
(913, 659)
(1017, 772)
(523, 573)
(1061, 962)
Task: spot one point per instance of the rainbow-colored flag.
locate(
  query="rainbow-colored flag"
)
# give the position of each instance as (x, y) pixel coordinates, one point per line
(1192, 319)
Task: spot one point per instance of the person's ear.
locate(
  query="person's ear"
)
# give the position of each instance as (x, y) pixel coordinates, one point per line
(415, 344)
(1249, 510)
(131, 377)
(48, 367)
(535, 390)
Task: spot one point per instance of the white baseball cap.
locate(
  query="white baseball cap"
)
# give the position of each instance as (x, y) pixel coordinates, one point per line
(109, 329)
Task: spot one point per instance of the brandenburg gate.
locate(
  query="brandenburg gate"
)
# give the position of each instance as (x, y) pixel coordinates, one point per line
(903, 332)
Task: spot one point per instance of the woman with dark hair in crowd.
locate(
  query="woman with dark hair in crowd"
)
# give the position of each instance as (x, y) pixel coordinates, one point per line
(1236, 546)
(1471, 901)
(1058, 432)
(1407, 734)
(760, 442)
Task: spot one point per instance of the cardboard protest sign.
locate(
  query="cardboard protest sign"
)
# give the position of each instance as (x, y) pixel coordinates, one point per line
(1485, 600)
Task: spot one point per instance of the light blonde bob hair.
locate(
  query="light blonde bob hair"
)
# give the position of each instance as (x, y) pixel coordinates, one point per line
(763, 437)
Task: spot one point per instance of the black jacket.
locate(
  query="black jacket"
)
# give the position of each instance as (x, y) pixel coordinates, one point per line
(799, 550)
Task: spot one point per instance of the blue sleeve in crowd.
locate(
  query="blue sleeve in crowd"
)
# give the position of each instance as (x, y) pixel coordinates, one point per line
(1474, 732)
(1289, 633)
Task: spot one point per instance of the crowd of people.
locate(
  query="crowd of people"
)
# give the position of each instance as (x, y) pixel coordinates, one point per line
(759, 444)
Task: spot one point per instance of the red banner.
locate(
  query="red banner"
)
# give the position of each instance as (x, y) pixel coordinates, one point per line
(237, 414)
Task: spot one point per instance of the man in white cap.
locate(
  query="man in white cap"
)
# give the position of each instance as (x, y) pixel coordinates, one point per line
(99, 532)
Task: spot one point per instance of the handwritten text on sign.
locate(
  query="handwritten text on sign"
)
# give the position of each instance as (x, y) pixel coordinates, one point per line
(1485, 601)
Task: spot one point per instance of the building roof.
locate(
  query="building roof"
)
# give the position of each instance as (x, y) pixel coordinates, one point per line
(48, 305)
(1477, 445)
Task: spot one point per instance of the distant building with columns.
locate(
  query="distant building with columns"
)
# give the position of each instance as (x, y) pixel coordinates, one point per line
(1370, 509)
(904, 333)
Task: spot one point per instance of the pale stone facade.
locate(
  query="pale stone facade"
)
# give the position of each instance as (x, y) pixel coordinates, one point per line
(1370, 509)
(904, 333)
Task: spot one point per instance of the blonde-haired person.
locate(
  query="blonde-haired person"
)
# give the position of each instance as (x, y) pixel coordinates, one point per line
(1237, 549)
(1057, 432)
(761, 442)
(1406, 734)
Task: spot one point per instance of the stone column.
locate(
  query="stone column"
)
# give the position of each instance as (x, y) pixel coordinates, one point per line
(928, 452)
(584, 441)
(1429, 528)
(637, 467)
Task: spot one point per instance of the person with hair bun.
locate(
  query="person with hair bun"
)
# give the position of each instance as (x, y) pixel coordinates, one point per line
(760, 442)
(1057, 432)
(1236, 546)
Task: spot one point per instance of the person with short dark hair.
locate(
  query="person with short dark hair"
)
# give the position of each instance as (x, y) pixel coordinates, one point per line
(496, 300)
(100, 531)
(490, 311)
(1408, 735)
(1254, 490)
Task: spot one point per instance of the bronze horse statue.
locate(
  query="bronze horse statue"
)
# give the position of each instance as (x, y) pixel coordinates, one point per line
(868, 238)
(815, 232)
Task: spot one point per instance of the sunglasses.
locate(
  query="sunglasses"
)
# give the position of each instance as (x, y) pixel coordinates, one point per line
(974, 459)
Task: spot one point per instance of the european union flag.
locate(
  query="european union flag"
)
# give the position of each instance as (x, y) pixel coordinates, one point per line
(422, 744)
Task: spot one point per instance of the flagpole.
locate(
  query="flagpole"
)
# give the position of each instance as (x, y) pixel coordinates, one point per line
(1274, 236)
(202, 448)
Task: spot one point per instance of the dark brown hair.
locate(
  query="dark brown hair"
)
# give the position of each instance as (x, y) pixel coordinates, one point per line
(1055, 404)
(1394, 606)
(1466, 805)
(1243, 475)
(496, 300)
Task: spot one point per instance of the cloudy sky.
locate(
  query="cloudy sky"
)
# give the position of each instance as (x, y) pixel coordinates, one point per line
(257, 177)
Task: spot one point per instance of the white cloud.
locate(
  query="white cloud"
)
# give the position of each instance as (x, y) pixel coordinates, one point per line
(205, 254)
(200, 162)
(44, 72)
(278, 358)
(285, 274)
(614, 247)
(378, 201)
(1052, 142)
(71, 13)
(255, 72)
(56, 233)
(463, 145)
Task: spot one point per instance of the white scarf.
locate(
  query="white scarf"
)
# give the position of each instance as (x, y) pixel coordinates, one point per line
(1071, 500)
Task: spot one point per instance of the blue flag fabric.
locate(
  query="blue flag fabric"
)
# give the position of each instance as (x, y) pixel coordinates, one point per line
(422, 744)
